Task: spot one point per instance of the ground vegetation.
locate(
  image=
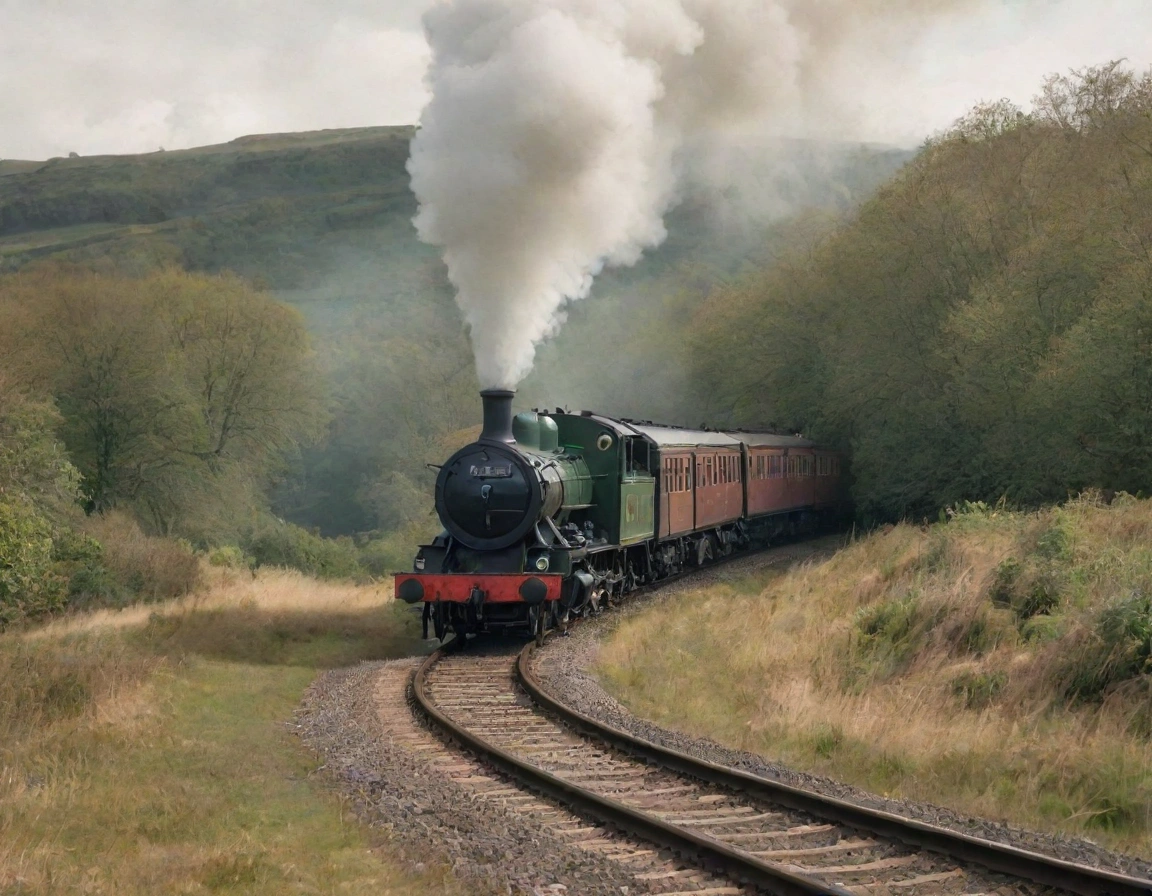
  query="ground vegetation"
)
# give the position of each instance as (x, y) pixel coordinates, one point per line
(997, 663)
(145, 751)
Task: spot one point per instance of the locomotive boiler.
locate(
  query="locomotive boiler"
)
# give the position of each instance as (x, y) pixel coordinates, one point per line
(550, 515)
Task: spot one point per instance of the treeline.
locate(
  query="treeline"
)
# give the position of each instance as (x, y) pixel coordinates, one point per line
(982, 328)
(141, 420)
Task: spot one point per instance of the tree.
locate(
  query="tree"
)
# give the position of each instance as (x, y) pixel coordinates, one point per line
(172, 386)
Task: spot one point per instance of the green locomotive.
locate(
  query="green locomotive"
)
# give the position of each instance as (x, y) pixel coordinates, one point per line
(552, 515)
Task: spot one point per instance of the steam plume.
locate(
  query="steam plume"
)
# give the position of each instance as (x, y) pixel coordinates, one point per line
(550, 147)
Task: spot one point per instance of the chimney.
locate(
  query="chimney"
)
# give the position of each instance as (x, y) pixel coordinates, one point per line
(497, 416)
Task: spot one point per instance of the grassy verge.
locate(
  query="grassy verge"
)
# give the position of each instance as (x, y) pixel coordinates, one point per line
(1000, 664)
(146, 752)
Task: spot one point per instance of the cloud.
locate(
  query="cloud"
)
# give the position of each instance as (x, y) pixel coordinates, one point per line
(130, 76)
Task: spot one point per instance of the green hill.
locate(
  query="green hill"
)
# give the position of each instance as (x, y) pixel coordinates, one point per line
(324, 220)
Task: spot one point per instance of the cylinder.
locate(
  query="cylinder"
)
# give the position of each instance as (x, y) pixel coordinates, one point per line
(497, 416)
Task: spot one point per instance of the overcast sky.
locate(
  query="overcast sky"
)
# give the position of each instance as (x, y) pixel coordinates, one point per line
(133, 75)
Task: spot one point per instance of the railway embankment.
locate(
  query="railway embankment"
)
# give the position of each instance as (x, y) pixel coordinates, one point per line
(998, 663)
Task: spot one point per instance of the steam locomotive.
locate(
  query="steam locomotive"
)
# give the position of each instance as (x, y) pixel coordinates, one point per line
(548, 516)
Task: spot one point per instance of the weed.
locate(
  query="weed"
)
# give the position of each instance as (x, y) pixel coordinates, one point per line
(827, 741)
(1042, 628)
(1003, 587)
(977, 690)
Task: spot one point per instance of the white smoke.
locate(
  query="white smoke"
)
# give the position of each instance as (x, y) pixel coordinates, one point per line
(551, 146)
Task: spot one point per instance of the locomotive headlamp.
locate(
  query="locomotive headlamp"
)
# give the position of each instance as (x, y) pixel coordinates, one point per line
(542, 563)
(604, 442)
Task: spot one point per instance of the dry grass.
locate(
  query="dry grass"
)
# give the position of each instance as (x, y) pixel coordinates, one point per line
(144, 751)
(998, 664)
(270, 591)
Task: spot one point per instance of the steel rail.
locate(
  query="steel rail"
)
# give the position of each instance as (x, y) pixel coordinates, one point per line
(717, 855)
(999, 857)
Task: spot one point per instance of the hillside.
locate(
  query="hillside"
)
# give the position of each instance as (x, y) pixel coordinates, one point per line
(324, 220)
(997, 664)
(264, 206)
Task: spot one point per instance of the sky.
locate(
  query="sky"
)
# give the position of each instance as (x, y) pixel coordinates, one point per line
(121, 76)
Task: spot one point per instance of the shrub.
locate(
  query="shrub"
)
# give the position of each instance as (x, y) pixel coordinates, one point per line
(286, 545)
(29, 585)
(1004, 582)
(230, 557)
(1028, 590)
(80, 559)
(891, 633)
(150, 567)
(1054, 544)
(1117, 650)
(395, 551)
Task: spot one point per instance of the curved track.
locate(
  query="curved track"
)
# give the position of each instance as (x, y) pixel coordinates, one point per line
(734, 833)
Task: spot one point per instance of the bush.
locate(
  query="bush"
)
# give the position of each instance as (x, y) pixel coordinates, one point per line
(80, 559)
(1118, 650)
(29, 585)
(230, 557)
(395, 551)
(286, 545)
(891, 633)
(150, 568)
(1033, 589)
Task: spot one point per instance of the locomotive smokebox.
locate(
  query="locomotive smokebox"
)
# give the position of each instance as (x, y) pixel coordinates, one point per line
(497, 416)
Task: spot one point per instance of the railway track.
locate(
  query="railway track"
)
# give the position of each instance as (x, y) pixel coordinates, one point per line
(684, 826)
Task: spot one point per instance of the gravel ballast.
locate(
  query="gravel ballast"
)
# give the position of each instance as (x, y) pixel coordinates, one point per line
(399, 777)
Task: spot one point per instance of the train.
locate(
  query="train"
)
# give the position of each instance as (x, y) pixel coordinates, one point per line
(549, 516)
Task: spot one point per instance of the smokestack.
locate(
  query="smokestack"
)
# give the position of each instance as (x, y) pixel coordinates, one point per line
(497, 416)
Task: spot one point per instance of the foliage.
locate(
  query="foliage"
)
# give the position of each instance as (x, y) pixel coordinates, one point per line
(29, 585)
(1117, 649)
(33, 463)
(285, 545)
(174, 389)
(230, 557)
(981, 327)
